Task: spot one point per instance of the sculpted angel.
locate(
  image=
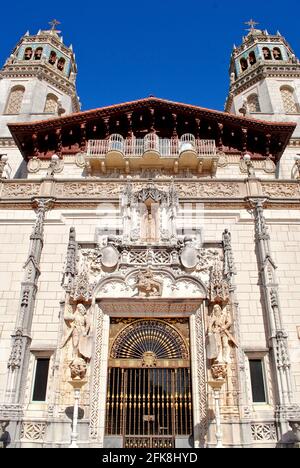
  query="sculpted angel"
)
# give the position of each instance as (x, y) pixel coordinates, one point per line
(78, 329)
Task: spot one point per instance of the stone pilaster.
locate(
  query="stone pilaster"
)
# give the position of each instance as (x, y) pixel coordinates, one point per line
(19, 356)
(230, 272)
(70, 268)
(276, 335)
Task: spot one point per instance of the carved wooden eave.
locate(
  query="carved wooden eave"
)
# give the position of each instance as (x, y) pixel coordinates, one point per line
(70, 134)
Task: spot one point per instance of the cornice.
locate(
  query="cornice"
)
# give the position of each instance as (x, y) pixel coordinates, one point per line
(42, 72)
(260, 72)
(8, 142)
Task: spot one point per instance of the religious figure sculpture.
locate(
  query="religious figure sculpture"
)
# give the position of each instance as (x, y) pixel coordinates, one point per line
(78, 324)
(4, 434)
(219, 335)
(78, 368)
(147, 285)
(148, 226)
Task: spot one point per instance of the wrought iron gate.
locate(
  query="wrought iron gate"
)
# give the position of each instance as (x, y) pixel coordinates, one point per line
(149, 401)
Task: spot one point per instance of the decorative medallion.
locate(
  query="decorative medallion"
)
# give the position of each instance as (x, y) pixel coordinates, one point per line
(109, 256)
(189, 257)
(34, 165)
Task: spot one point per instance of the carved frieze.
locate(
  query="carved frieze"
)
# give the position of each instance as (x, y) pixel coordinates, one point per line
(208, 189)
(80, 189)
(280, 190)
(20, 190)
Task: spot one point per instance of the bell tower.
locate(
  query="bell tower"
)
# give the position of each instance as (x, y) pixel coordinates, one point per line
(37, 82)
(265, 83)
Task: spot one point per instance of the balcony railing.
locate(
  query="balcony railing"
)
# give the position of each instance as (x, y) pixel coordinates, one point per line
(165, 147)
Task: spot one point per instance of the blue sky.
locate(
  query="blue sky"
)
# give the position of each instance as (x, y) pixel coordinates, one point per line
(173, 49)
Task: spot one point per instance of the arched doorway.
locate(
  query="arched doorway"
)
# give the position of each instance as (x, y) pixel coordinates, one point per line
(149, 398)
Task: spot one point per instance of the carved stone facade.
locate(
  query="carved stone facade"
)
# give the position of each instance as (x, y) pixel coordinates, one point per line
(141, 277)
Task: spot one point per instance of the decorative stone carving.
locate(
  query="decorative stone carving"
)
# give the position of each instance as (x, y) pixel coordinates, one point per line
(219, 371)
(80, 160)
(20, 190)
(229, 266)
(109, 256)
(96, 379)
(70, 268)
(83, 290)
(70, 189)
(78, 329)
(189, 257)
(78, 368)
(34, 165)
(219, 291)
(263, 432)
(280, 190)
(15, 357)
(146, 285)
(208, 189)
(201, 377)
(219, 336)
(33, 431)
(149, 359)
(295, 426)
(4, 434)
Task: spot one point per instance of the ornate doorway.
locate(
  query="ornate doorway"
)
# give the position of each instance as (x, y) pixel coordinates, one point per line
(149, 398)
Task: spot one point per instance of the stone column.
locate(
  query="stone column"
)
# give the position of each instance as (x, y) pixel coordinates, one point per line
(99, 379)
(230, 272)
(19, 356)
(198, 367)
(276, 335)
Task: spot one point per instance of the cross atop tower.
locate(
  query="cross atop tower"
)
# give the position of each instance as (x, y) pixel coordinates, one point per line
(53, 24)
(252, 24)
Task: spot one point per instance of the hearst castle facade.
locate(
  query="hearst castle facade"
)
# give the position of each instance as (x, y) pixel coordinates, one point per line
(150, 258)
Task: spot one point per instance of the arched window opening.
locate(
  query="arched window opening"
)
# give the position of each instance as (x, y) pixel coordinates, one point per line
(277, 53)
(252, 58)
(267, 53)
(51, 104)
(116, 143)
(253, 103)
(28, 53)
(288, 99)
(244, 64)
(15, 99)
(61, 64)
(52, 58)
(38, 53)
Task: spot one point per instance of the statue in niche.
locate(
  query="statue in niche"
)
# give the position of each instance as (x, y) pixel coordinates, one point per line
(78, 329)
(149, 225)
(147, 285)
(219, 335)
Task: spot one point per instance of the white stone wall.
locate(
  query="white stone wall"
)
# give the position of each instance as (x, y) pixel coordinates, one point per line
(15, 229)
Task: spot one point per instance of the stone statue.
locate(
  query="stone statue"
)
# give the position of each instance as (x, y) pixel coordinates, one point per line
(219, 335)
(78, 368)
(147, 285)
(78, 329)
(148, 227)
(4, 435)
